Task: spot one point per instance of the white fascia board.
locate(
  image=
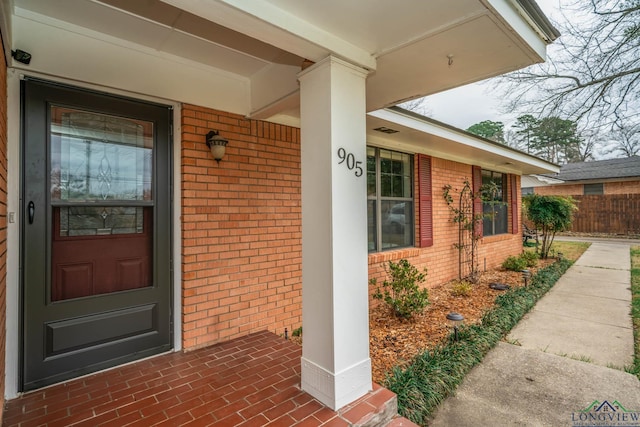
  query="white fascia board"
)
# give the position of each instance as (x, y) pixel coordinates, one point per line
(548, 180)
(463, 138)
(264, 21)
(523, 26)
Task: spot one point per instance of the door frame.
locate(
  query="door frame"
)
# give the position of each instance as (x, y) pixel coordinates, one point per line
(14, 226)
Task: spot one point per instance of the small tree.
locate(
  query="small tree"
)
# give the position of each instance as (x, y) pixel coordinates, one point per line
(549, 214)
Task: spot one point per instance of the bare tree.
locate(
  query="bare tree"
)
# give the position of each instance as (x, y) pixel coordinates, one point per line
(592, 74)
(418, 105)
(624, 141)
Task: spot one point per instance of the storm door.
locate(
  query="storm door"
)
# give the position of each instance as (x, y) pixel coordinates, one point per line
(96, 232)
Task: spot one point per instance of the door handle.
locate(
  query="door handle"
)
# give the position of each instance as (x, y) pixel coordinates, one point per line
(32, 211)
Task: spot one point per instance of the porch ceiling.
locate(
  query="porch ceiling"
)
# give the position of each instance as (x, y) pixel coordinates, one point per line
(415, 50)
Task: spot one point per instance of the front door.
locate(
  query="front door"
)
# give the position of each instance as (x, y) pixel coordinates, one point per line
(96, 247)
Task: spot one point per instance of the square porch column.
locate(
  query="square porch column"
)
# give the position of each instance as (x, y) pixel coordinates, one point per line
(336, 368)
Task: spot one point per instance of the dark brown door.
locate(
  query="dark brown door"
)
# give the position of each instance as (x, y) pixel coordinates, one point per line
(96, 231)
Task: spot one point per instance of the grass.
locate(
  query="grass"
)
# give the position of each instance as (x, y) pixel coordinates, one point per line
(570, 250)
(435, 374)
(635, 308)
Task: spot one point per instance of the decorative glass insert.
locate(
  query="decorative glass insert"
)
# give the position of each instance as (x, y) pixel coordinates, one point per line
(97, 157)
(100, 220)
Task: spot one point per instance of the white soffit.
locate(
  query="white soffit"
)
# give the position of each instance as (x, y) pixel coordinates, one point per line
(412, 50)
(426, 136)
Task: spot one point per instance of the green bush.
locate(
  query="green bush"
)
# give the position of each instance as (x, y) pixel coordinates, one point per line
(462, 289)
(530, 257)
(402, 293)
(514, 263)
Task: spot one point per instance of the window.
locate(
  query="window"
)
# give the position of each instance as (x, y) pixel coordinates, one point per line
(494, 204)
(591, 189)
(527, 190)
(389, 199)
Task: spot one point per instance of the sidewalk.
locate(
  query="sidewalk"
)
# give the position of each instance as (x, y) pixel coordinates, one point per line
(540, 376)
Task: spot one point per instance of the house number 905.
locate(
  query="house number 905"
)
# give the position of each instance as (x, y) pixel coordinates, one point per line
(350, 160)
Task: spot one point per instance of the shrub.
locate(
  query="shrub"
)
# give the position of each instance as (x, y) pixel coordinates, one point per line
(514, 263)
(462, 289)
(402, 293)
(549, 214)
(530, 257)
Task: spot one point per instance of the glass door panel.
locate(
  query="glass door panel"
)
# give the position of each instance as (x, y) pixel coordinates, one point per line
(101, 170)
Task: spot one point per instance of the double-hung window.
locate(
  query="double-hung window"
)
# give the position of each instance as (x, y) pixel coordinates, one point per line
(494, 203)
(390, 209)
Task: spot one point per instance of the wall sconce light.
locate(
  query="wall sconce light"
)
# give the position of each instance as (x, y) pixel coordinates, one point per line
(455, 319)
(217, 144)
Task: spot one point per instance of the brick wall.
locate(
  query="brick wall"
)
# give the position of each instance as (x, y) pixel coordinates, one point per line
(622, 187)
(3, 224)
(241, 225)
(560, 190)
(619, 187)
(441, 259)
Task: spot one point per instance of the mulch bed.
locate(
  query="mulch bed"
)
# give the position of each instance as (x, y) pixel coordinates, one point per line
(394, 342)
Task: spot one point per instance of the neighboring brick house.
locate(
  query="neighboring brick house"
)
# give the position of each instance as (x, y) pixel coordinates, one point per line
(607, 192)
(613, 176)
(123, 237)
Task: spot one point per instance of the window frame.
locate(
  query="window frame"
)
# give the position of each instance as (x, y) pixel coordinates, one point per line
(489, 223)
(378, 200)
(594, 189)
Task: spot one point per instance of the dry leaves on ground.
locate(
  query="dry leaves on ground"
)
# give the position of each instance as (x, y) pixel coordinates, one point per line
(394, 341)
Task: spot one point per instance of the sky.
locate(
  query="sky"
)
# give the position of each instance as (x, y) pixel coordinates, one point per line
(470, 104)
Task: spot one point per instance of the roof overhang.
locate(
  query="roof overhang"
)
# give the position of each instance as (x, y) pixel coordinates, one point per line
(419, 134)
(244, 56)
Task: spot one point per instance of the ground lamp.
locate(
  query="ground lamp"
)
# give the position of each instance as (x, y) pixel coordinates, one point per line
(560, 256)
(217, 144)
(526, 275)
(455, 319)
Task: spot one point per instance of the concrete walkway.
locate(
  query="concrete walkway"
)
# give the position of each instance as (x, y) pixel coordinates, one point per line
(558, 360)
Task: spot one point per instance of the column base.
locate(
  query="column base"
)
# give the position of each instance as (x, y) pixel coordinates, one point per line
(339, 389)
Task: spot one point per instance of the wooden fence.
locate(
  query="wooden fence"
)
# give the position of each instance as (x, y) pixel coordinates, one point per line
(609, 213)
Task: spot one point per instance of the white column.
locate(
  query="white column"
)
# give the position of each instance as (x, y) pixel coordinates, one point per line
(336, 368)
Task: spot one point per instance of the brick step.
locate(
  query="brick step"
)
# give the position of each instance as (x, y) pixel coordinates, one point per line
(379, 408)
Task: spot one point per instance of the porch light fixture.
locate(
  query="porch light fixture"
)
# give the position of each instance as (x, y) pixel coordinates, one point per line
(217, 144)
(526, 275)
(455, 319)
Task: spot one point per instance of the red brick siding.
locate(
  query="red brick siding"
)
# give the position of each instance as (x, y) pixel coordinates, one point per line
(241, 228)
(560, 190)
(3, 224)
(622, 187)
(241, 225)
(441, 260)
(615, 187)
